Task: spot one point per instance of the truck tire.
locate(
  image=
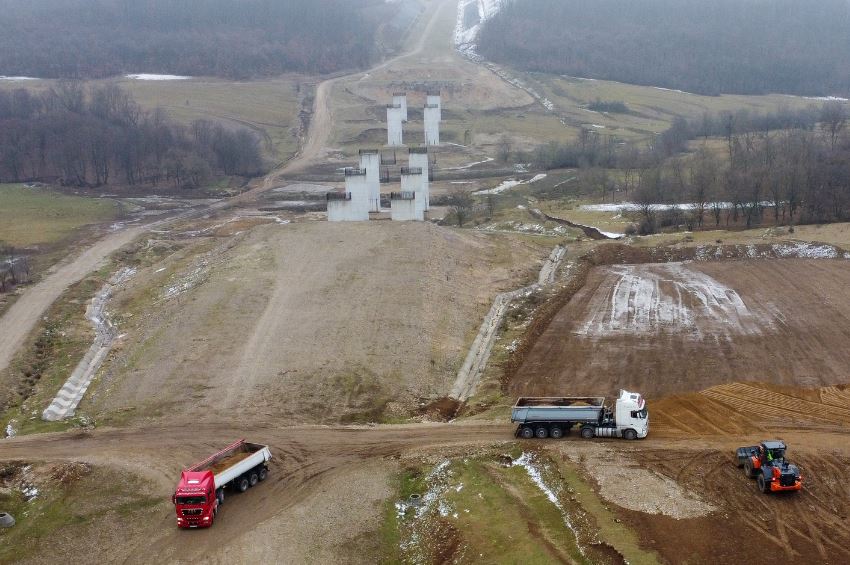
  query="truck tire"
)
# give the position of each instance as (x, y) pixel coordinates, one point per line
(587, 432)
(219, 494)
(264, 472)
(630, 434)
(242, 484)
(541, 432)
(253, 478)
(526, 432)
(762, 483)
(556, 432)
(748, 469)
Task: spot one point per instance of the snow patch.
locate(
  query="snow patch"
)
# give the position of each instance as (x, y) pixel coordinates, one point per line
(147, 76)
(647, 300)
(827, 98)
(526, 461)
(511, 183)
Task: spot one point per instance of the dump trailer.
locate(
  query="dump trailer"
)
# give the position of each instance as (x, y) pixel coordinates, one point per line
(554, 417)
(766, 463)
(200, 492)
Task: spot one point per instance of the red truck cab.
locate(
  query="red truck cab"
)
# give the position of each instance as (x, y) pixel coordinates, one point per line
(196, 499)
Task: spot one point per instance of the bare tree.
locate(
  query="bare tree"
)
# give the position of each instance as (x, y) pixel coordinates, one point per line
(834, 118)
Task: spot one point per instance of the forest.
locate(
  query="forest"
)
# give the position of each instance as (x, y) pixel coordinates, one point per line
(722, 46)
(739, 169)
(84, 39)
(94, 137)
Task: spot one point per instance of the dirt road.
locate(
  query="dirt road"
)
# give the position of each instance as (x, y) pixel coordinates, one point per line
(20, 319)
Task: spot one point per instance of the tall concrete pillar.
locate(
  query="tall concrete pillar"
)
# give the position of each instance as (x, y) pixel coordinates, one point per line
(395, 132)
(419, 159)
(400, 100)
(432, 124)
(435, 99)
(411, 181)
(370, 161)
(357, 185)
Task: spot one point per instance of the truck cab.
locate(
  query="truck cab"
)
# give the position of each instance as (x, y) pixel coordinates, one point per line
(631, 413)
(196, 500)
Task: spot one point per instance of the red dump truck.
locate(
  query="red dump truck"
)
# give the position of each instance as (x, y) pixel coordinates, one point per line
(200, 492)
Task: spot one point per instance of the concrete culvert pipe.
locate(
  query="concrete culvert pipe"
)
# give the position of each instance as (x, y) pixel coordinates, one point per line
(415, 499)
(6, 520)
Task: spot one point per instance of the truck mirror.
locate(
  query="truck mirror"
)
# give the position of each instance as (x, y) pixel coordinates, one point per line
(174, 499)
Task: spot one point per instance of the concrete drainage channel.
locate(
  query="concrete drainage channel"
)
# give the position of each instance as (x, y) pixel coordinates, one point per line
(70, 395)
(476, 360)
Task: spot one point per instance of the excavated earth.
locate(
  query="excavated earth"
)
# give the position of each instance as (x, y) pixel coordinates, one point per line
(681, 327)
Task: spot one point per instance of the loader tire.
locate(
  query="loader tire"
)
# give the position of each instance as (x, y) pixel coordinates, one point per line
(748, 469)
(763, 485)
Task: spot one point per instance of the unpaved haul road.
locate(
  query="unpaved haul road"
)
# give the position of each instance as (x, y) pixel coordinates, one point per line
(17, 323)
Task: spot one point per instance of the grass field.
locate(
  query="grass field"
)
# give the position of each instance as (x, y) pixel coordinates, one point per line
(30, 217)
(651, 110)
(270, 107)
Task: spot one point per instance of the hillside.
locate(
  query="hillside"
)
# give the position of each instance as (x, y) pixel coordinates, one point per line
(101, 38)
(724, 46)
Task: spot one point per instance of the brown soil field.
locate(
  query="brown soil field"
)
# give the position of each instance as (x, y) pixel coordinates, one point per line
(317, 322)
(671, 328)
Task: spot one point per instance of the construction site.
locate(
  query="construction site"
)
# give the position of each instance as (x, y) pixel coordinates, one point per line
(370, 349)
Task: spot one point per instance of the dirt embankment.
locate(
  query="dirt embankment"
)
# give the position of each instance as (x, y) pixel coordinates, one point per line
(316, 322)
(673, 327)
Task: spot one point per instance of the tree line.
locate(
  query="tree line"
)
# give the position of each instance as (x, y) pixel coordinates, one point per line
(100, 136)
(101, 38)
(722, 46)
(786, 167)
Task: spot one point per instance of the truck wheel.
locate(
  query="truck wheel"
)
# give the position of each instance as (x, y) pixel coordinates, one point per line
(242, 484)
(541, 432)
(748, 469)
(763, 486)
(526, 432)
(263, 474)
(220, 495)
(587, 432)
(630, 434)
(253, 478)
(556, 432)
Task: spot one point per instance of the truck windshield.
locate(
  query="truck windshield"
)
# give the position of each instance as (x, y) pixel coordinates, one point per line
(191, 499)
(640, 414)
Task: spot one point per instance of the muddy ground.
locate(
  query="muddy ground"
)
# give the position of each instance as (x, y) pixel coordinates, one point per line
(670, 328)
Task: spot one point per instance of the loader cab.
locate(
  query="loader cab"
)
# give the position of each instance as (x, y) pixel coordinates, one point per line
(631, 412)
(772, 452)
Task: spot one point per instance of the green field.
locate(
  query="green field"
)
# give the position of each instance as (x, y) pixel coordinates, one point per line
(651, 110)
(270, 107)
(35, 216)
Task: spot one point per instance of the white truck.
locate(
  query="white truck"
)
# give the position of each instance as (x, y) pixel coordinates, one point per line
(553, 417)
(200, 492)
